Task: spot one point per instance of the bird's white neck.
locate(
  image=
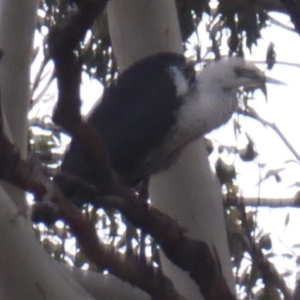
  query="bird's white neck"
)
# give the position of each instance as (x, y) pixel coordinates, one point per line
(204, 110)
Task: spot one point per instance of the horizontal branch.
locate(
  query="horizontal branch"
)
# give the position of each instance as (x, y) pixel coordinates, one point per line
(233, 200)
(280, 24)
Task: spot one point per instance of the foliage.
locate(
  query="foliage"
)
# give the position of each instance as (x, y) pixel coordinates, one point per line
(244, 24)
(96, 52)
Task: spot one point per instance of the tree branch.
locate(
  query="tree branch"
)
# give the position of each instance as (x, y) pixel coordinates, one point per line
(129, 269)
(267, 270)
(293, 9)
(233, 200)
(277, 23)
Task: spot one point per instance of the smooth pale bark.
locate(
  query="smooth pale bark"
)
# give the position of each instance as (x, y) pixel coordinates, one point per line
(106, 287)
(26, 270)
(17, 24)
(190, 194)
(187, 192)
(141, 28)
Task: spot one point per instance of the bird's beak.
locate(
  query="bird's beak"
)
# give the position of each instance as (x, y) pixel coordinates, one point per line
(274, 81)
(255, 78)
(263, 87)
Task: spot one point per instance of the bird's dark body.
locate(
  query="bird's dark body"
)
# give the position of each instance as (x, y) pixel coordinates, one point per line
(134, 118)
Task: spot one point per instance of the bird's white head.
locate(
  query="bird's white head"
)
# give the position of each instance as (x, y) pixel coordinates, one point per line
(212, 99)
(230, 74)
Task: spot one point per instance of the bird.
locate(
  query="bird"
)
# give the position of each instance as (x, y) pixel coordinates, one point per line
(156, 107)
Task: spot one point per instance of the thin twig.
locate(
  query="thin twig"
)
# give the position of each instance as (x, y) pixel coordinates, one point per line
(275, 128)
(233, 200)
(284, 26)
(267, 270)
(263, 62)
(37, 78)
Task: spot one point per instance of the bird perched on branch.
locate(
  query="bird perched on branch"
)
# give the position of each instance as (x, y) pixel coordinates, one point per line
(156, 108)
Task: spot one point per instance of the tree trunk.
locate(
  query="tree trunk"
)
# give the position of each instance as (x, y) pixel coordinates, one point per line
(17, 25)
(26, 270)
(187, 192)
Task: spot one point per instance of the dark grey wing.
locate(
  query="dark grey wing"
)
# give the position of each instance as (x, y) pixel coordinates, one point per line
(134, 116)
